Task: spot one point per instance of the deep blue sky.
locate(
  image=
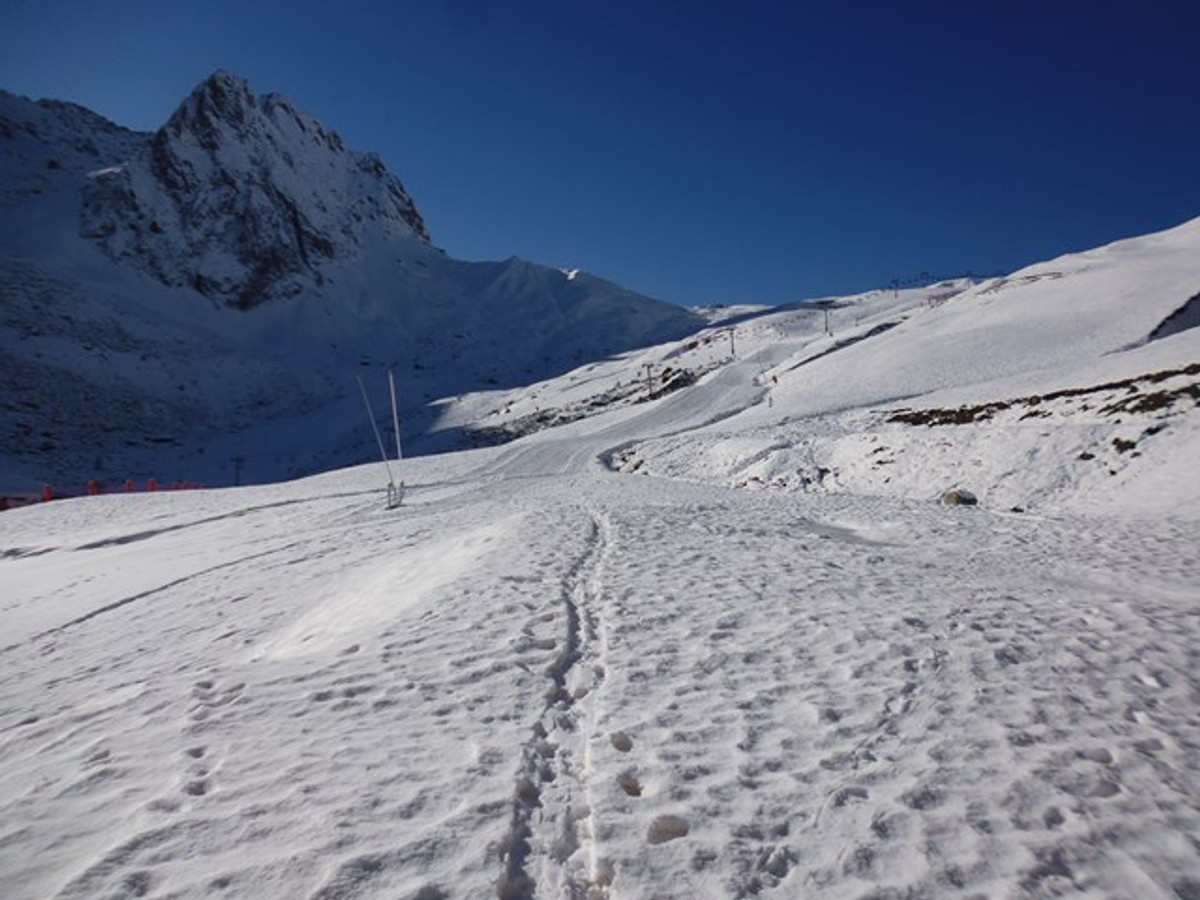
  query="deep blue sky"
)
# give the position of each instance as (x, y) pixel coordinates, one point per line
(709, 152)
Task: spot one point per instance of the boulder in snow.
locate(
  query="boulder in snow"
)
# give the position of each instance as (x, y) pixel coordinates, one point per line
(958, 497)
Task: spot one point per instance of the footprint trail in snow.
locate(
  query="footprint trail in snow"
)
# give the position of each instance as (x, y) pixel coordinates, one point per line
(593, 686)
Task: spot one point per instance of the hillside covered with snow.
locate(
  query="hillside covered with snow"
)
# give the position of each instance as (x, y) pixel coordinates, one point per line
(174, 300)
(1072, 384)
(698, 628)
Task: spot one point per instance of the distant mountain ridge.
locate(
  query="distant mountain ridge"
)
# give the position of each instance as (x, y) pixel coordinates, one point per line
(214, 287)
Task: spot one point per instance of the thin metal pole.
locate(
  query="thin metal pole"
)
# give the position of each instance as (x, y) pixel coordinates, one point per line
(395, 415)
(375, 428)
(395, 495)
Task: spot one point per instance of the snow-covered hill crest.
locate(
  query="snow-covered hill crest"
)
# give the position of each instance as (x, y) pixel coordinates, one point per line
(244, 198)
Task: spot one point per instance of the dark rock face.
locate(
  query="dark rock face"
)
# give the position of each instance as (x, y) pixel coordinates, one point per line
(244, 198)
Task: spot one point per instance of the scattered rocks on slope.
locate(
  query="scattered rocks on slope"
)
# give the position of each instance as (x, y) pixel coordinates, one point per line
(1138, 398)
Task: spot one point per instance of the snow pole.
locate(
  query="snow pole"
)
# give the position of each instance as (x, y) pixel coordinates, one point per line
(379, 440)
(395, 415)
(399, 498)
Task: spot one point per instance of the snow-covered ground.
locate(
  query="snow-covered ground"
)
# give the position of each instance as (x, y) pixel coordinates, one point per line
(714, 644)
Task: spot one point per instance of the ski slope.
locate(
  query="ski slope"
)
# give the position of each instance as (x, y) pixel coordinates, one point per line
(638, 655)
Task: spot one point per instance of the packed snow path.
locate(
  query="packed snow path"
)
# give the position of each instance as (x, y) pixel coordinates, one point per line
(544, 679)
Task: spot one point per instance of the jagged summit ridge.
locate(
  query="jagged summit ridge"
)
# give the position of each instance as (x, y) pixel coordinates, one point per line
(244, 198)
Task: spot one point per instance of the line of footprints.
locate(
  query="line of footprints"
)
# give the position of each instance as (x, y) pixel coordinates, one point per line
(207, 698)
(664, 828)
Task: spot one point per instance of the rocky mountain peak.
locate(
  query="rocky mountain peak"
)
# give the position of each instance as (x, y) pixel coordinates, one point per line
(222, 98)
(244, 198)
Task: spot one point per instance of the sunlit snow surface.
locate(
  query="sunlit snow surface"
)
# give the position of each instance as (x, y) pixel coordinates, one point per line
(716, 645)
(541, 678)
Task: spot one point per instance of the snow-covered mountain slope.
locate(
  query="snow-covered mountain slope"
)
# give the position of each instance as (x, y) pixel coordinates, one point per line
(550, 674)
(172, 301)
(1072, 384)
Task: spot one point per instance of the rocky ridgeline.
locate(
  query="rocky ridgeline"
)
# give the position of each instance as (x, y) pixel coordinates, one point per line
(243, 198)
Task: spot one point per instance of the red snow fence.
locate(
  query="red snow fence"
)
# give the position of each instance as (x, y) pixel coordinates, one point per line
(93, 488)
